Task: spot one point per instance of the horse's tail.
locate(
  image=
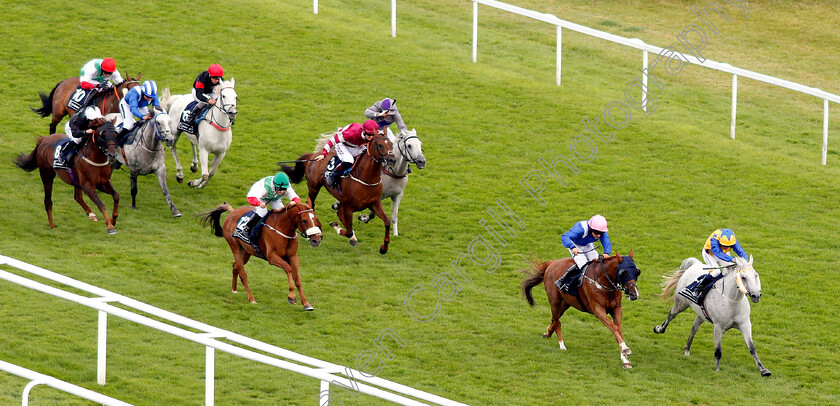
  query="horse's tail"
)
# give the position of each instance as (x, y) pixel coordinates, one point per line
(323, 139)
(296, 173)
(29, 162)
(164, 99)
(536, 274)
(46, 103)
(669, 285)
(212, 218)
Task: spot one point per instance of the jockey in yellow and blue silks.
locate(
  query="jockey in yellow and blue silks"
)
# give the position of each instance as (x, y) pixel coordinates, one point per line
(579, 240)
(716, 256)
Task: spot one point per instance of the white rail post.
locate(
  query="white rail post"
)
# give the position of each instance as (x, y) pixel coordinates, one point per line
(101, 347)
(209, 376)
(475, 31)
(315, 6)
(28, 388)
(559, 51)
(734, 105)
(825, 130)
(644, 79)
(325, 388)
(394, 18)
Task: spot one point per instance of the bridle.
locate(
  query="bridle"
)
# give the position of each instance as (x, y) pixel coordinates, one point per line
(614, 285)
(301, 225)
(225, 108)
(372, 143)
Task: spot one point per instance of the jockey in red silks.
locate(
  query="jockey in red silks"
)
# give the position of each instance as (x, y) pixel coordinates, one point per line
(348, 144)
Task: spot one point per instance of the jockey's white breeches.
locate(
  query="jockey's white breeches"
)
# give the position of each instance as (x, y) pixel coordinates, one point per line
(127, 121)
(714, 262)
(70, 134)
(585, 254)
(201, 103)
(347, 153)
(262, 211)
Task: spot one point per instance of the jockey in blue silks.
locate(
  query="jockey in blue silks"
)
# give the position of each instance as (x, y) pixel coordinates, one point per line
(579, 240)
(715, 255)
(136, 103)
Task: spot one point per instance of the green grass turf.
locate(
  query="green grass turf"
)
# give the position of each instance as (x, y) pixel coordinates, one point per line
(665, 182)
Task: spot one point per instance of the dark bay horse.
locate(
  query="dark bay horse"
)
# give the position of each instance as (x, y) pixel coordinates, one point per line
(56, 102)
(359, 191)
(278, 242)
(90, 170)
(599, 293)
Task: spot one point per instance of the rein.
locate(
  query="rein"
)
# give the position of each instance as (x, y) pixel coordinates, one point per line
(614, 286)
(222, 109)
(84, 152)
(379, 161)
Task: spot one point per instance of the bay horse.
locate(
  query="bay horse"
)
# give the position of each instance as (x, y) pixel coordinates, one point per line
(147, 154)
(410, 150)
(214, 131)
(359, 191)
(56, 102)
(89, 170)
(278, 242)
(726, 303)
(599, 293)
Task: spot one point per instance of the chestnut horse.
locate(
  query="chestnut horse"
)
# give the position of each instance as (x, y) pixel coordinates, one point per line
(56, 102)
(599, 293)
(278, 242)
(359, 191)
(89, 170)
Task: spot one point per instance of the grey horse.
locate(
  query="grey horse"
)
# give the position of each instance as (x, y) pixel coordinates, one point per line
(726, 304)
(393, 184)
(147, 155)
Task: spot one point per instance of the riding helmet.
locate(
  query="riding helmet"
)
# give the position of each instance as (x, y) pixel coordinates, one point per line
(727, 237)
(108, 65)
(215, 70)
(598, 223)
(149, 88)
(370, 127)
(281, 181)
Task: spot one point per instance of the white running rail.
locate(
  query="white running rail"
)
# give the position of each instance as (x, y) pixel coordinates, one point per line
(37, 378)
(645, 48)
(324, 371)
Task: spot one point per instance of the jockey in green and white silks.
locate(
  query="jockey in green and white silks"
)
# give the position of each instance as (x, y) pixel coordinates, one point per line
(269, 191)
(715, 255)
(98, 72)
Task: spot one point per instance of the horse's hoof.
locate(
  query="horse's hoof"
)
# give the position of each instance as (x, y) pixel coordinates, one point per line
(687, 353)
(626, 352)
(308, 308)
(354, 243)
(180, 179)
(627, 365)
(364, 218)
(545, 335)
(194, 168)
(92, 217)
(235, 291)
(112, 231)
(176, 214)
(335, 206)
(765, 372)
(291, 300)
(383, 250)
(658, 329)
(253, 301)
(562, 346)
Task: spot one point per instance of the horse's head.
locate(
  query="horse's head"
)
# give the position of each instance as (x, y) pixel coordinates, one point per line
(128, 84)
(382, 150)
(627, 273)
(746, 277)
(308, 224)
(411, 148)
(163, 129)
(105, 138)
(227, 98)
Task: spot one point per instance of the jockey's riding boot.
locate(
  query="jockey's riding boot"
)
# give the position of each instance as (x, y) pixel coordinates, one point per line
(199, 114)
(694, 289)
(251, 227)
(563, 282)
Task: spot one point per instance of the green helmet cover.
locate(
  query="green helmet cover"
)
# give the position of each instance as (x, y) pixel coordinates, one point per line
(281, 180)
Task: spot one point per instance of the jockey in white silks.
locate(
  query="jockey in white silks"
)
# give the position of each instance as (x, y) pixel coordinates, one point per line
(715, 255)
(269, 191)
(579, 240)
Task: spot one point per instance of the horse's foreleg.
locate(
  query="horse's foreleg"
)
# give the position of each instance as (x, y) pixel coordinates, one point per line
(214, 166)
(47, 178)
(617, 313)
(77, 194)
(377, 208)
(179, 171)
(194, 165)
(56, 118)
(133, 177)
(161, 175)
(240, 258)
(294, 261)
(601, 314)
(91, 194)
(718, 351)
(109, 189)
(395, 202)
(677, 308)
(275, 259)
(746, 330)
(345, 216)
(694, 328)
(556, 313)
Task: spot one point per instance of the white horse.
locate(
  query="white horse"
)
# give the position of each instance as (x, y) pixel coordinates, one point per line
(214, 131)
(726, 303)
(147, 155)
(393, 184)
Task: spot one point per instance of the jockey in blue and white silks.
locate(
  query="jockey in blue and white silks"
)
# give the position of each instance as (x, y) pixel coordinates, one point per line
(136, 103)
(715, 255)
(580, 238)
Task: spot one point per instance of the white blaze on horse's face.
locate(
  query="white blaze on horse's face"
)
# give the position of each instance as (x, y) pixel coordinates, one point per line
(314, 230)
(228, 98)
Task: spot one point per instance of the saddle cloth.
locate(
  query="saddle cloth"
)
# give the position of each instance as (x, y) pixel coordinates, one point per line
(186, 123)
